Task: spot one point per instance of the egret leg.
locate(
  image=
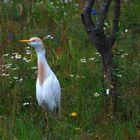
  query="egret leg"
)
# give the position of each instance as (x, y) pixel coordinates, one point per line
(45, 126)
(46, 119)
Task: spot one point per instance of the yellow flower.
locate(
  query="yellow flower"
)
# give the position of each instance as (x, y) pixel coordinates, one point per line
(77, 129)
(73, 114)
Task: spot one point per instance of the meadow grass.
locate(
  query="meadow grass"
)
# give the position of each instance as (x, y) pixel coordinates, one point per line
(78, 67)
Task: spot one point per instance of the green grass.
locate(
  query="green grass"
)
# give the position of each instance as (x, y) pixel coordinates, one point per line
(79, 69)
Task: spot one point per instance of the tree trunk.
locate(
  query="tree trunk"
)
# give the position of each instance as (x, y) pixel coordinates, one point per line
(110, 104)
(104, 44)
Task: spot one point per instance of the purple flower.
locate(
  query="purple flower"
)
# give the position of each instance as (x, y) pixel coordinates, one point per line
(94, 11)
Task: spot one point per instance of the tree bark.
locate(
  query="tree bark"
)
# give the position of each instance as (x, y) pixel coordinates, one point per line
(104, 44)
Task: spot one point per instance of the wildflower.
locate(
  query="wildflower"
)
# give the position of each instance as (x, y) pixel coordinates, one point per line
(123, 55)
(48, 36)
(17, 56)
(28, 52)
(5, 55)
(51, 3)
(107, 91)
(83, 77)
(71, 75)
(20, 80)
(77, 128)
(51, 37)
(6, 75)
(126, 30)
(24, 58)
(94, 12)
(14, 53)
(91, 59)
(26, 103)
(16, 78)
(34, 68)
(15, 68)
(106, 23)
(96, 94)
(12, 57)
(76, 4)
(104, 28)
(97, 53)
(78, 77)
(73, 114)
(83, 60)
(3, 74)
(119, 75)
(27, 48)
(7, 66)
(28, 61)
(65, 13)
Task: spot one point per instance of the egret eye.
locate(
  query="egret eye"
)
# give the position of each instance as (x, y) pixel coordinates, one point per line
(33, 40)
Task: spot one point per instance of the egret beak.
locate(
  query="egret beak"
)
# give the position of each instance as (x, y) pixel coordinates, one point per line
(24, 41)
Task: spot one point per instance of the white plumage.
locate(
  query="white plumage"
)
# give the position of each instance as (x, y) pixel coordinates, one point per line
(48, 91)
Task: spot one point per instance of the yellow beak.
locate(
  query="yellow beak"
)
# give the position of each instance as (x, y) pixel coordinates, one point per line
(24, 41)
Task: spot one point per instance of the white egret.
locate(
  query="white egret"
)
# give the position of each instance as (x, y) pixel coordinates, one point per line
(48, 90)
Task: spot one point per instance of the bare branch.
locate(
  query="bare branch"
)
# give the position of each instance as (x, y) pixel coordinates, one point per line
(86, 16)
(115, 22)
(116, 17)
(102, 15)
(96, 36)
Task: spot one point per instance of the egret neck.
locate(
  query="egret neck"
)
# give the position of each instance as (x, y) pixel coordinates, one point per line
(43, 67)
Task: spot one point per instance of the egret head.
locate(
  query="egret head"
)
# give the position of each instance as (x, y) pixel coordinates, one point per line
(36, 43)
